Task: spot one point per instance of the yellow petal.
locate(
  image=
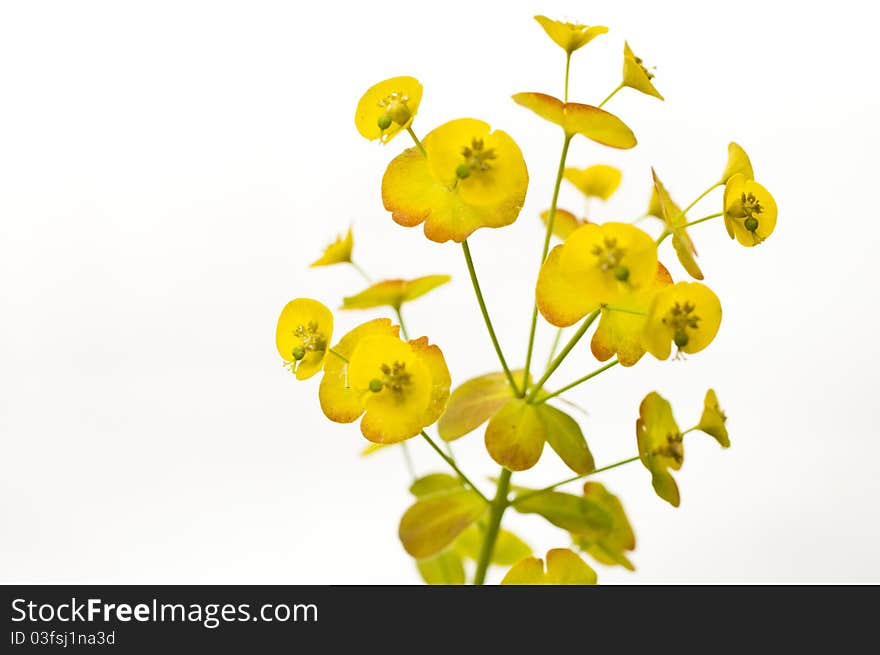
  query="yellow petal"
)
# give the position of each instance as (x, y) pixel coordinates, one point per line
(570, 36)
(339, 401)
(599, 181)
(746, 199)
(563, 568)
(305, 325)
(738, 162)
(660, 445)
(338, 252)
(433, 522)
(432, 358)
(473, 403)
(394, 293)
(688, 307)
(397, 98)
(560, 299)
(675, 221)
(635, 75)
(713, 421)
(564, 222)
(515, 435)
(594, 123)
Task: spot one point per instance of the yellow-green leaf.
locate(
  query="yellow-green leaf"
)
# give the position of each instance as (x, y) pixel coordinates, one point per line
(432, 483)
(515, 435)
(610, 548)
(563, 568)
(473, 403)
(660, 445)
(369, 449)
(393, 293)
(737, 162)
(433, 522)
(509, 548)
(443, 569)
(576, 514)
(713, 421)
(564, 435)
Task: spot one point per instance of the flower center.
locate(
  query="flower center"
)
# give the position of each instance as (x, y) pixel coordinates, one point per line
(313, 340)
(477, 159)
(643, 67)
(672, 448)
(610, 258)
(396, 109)
(681, 318)
(395, 378)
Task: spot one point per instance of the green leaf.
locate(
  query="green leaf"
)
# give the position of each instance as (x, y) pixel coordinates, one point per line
(509, 548)
(432, 483)
(394, 293)
(576, 514)
(563, 568)
(564, 435)
(610, 548)
(515, 435)
(433, 522)
(473, 403)
(443, 569)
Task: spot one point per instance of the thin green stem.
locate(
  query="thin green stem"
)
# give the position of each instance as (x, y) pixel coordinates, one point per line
(624, 310)
(448, 460)
(408, 459)
(496, 513)
(666, 233)
(554, 346)
(360, 270)
(538, 492)
(476, 284)
(701, 196)
(416, 140)
(599, 370)
(567, 67)
(536, 389)
(401, 323)
(610, 95)
(550, 220)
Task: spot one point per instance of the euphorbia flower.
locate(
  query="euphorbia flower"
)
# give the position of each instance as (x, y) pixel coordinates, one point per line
(713, 420)
(338, 252)
(388, 107)
(393, 293)
(749, 210)
(400, 387)
(302, 335)
(660, 445)
(675, 221)
(636, 75)
(597, 264)
(599, 181)
(622, 325)
(468, 177)
(570, 36)
(687, 314)
(575, 118)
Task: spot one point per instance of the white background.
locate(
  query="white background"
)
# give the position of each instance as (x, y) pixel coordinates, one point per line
(168, 170)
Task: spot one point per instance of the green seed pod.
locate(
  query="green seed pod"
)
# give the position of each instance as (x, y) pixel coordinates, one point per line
(376, 385)
(462, 171)
(751, 223)
(384, 122)
(621, 273)
(680, 339)
(299, 352)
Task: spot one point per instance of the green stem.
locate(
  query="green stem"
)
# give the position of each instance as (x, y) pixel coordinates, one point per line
(567, 67)
(666, 233)
(416, 140)
(408, 459)
(610, 95)
(701, 196)
(599, 370)
(360, 270)
(401, 323)
(538, 492)
(550, 220)
(554, 346)
(476, 284)
(448, 460)
(499, 504)
(536, 389)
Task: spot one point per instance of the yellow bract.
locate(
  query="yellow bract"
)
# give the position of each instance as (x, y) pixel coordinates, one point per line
(608, 548)
(598, 264)
(563, 568)
(400, 387)
(713, 421)
(660, 445)
(388, 107)
(737, 162)
(302, 335)
(338, 252)
(570, 36)
(471, 177)
(635, 75)
(599, 181)
(675, 222)
(687, 314)
(564, 222)
(622, 325)
(394, 293)
(575, 118)
(749, 210)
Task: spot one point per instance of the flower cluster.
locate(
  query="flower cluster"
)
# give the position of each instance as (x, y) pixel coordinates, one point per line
(465, 175)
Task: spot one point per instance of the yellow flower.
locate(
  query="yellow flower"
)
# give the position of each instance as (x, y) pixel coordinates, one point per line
(635, 75)
(564, 223)
(570, 36)
(471, 177)
(563, 568)
(598, 264)
(304, 330)
(338, 252)
(400, 387)
(713, 421)
(594, 123)
(737, 162)
(388, 107)
(661, 445)
(749, 210)
(687, 314)
(599, 181)
(394, 293)
(622, 325)
(675, 220)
